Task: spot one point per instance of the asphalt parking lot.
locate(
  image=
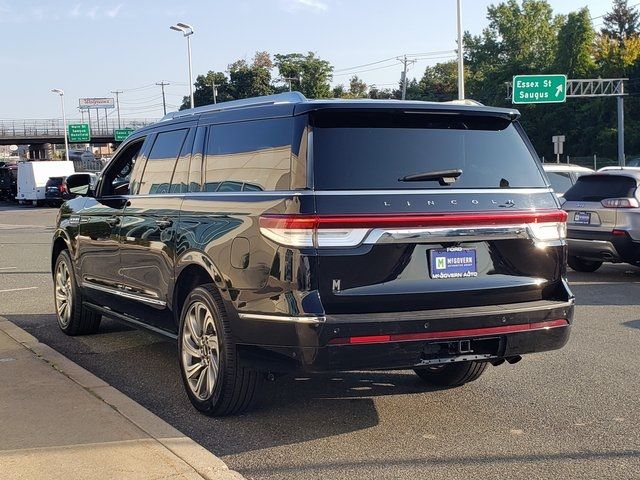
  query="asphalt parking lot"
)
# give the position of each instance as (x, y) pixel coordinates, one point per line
(573, 413)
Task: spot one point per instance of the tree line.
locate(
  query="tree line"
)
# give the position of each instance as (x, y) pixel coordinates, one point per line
(522, 37)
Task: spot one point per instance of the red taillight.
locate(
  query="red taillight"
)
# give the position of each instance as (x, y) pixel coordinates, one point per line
(351, 230)
(62, 188)
(451, 334)
(619, 233)
(620, 203)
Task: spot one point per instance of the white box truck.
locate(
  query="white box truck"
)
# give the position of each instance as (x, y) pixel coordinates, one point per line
(33, 176)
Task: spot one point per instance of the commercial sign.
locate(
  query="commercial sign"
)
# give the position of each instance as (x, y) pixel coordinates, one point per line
(121, 134)
(539, 89)
(103, 102)
(79, 133)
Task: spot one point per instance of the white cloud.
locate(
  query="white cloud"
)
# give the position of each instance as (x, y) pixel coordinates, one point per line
(313, 5)
(92, 13)
(75, 11)
(113, 12)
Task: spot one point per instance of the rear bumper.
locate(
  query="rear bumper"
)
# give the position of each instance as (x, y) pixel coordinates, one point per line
(357, 342)
(603, 246)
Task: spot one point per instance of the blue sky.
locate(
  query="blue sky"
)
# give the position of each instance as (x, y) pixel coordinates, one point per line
(89, 48)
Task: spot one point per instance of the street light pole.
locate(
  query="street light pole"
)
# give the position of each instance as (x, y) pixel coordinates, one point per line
(64, 121)
(187, 31)
(460, 53)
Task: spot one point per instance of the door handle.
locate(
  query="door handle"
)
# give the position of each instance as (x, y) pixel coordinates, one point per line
(164, 223)
(113, 221)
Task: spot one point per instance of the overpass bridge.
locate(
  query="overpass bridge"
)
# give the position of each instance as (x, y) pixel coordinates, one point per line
(39, 132)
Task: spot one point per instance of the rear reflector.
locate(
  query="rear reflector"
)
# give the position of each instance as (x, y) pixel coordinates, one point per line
(351, 230)
(471, 332)
(620, 233)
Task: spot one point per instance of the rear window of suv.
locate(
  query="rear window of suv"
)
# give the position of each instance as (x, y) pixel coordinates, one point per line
(595, 188)
(373, 150)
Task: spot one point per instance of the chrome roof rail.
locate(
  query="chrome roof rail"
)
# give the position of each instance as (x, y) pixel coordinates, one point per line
(287, 97)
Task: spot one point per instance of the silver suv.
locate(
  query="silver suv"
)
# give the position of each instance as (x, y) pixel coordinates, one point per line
(604, 219)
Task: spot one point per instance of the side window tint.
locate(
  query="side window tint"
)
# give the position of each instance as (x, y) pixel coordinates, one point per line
(249, 156)
(180, 180)
(161, 163)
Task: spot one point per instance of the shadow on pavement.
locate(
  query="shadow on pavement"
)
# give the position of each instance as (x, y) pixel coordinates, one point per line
(145, 368)
(394, 464)
(632, 324)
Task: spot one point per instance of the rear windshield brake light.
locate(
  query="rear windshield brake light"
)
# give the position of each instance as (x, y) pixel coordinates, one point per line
(351, 230)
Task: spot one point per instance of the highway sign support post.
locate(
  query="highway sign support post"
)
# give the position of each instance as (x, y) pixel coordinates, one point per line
(558, 146)
(577, 88)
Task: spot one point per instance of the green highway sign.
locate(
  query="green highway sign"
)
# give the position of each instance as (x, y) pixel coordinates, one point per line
(122, 133)
(79, 133)
(539, 89)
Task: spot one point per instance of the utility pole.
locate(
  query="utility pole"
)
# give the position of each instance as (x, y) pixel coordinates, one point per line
(117, 94)
(214, 88)
(460, 54)
(404, 74)
(164, 103)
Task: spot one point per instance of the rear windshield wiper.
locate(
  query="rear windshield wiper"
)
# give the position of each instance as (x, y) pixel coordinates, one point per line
(444, 177)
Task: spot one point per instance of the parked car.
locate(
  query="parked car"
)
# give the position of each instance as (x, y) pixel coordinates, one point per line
(33, 178)
(604, 219)
(55, 190)
(8, 181)
(562, 176)
(349, 235)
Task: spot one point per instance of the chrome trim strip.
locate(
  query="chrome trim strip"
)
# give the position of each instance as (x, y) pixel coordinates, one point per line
(506, 191)
(453, 191)
(281, 318)
(447, 234)
(124, 294)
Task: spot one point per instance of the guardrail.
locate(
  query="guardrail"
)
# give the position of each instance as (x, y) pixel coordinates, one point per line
(30, 128)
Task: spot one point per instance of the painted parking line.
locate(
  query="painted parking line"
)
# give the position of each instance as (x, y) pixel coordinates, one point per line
(8, 268)
(18, 289)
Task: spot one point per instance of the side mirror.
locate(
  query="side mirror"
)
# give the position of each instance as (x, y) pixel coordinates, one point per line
(80, 185)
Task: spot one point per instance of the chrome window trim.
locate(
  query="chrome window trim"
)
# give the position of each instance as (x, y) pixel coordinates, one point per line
(282, 318)
(124, 294)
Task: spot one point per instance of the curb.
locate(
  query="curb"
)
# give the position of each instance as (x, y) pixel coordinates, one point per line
(201, 460)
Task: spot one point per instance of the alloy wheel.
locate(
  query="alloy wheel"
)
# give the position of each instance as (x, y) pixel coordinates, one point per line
(64, 294)
(200, 350)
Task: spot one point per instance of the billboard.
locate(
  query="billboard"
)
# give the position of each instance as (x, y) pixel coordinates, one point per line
(102, 102)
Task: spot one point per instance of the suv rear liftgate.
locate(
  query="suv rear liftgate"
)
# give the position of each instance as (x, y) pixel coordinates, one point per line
(435, 239)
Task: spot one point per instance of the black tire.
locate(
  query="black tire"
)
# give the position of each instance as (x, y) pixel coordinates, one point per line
(81, 320)
(581, 265)
(235, 386)
(451, 374)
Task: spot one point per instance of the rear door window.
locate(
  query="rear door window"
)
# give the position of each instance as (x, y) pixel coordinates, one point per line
(249, 156)
(595, 188)
(560, 181)
(373, 150)
(161, 163)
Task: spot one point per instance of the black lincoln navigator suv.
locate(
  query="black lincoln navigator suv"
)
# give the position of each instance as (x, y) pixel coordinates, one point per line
(281, 234)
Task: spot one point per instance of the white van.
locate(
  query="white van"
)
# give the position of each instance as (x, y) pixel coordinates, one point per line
(33, 176)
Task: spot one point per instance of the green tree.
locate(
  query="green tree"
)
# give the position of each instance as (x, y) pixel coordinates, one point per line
(440, 82)
(311, 74)
(357, 88)
(203, 92)
(621, 22)
(576, 39)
